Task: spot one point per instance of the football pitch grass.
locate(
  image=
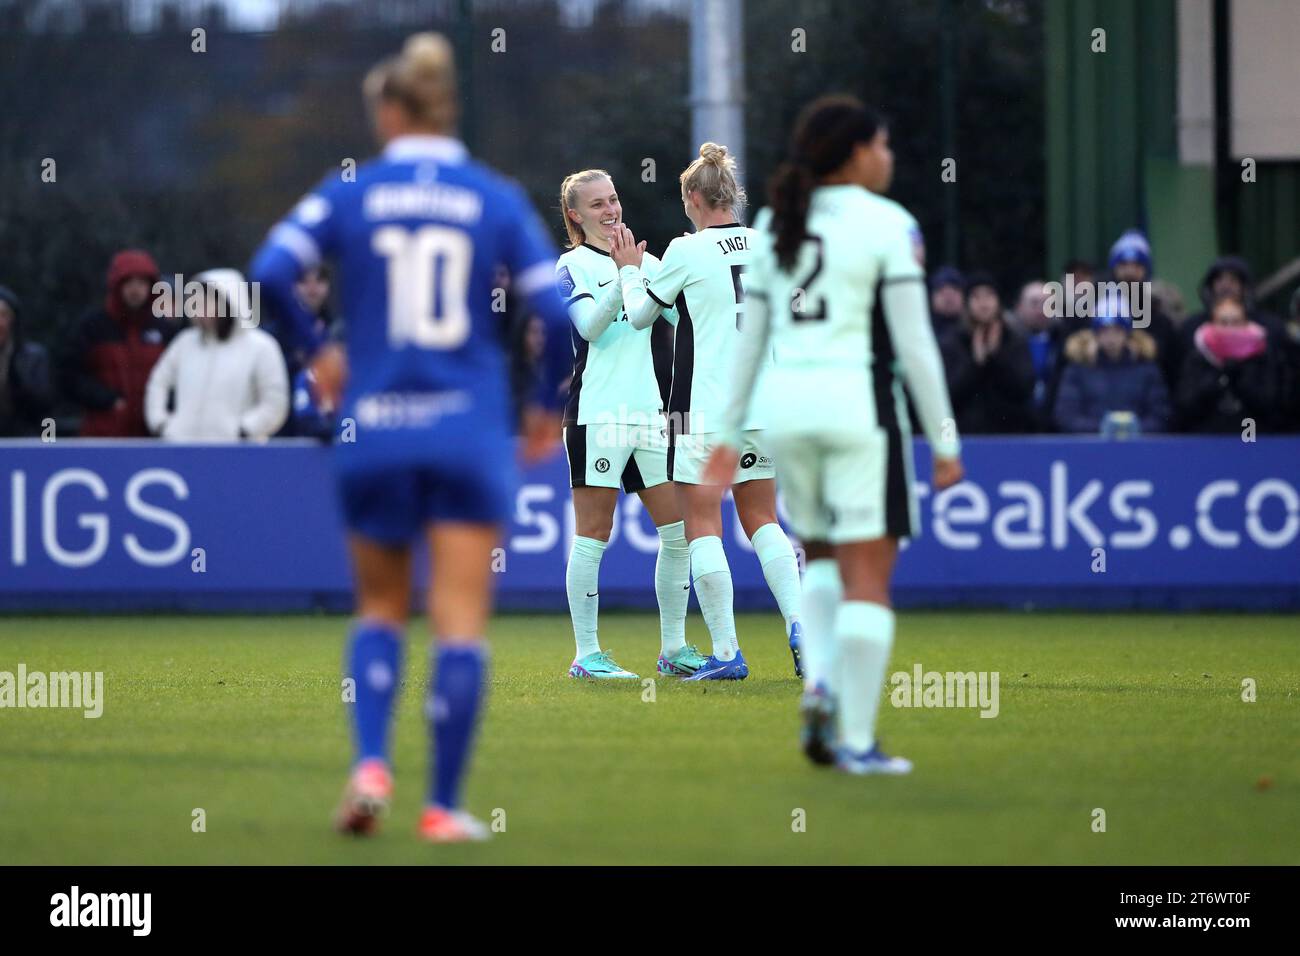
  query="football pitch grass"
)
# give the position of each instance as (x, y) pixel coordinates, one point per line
(1139, 716)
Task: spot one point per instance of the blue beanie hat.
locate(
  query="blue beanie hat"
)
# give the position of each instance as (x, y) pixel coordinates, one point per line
(1132, 246)
(1112, 313)
(947, 275)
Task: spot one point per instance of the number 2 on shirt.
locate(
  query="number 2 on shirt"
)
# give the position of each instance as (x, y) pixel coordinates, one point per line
(801, 313)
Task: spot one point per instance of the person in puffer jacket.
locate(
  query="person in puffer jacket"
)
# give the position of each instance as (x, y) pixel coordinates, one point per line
(1111, 368)
(229, 379)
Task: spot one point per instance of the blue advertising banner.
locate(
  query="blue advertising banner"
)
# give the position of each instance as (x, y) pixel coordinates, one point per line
(1157, 522)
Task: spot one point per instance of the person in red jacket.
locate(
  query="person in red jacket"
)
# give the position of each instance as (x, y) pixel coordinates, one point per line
(107, 360)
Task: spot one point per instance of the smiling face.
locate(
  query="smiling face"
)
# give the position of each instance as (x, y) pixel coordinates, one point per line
(597, 210)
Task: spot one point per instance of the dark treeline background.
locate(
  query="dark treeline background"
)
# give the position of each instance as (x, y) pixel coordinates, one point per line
(193, 155)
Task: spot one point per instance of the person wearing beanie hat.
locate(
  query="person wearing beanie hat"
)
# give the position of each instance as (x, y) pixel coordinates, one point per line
(947, 302)
(1111, 374)
(106, 361)
(990, 369)
(1130, 257)
(947, 276)
(1130, 262)
(26, 387)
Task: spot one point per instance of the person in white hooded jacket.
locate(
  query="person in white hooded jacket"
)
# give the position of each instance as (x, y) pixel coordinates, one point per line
(229, 378)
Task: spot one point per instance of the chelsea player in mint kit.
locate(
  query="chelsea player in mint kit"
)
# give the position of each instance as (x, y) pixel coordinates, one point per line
(701, 279)
(614, 430)
(837, 286)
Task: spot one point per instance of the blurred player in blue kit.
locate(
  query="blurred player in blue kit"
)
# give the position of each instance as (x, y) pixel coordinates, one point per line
(417, 238)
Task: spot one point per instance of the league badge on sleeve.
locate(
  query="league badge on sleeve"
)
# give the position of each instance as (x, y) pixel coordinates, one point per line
(564, 282)
(918, 245)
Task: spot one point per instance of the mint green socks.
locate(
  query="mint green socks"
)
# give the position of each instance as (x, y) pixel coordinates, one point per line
(864, 635)
(582, 581)
(780, 569)
(713, 589)
(672, 586)
(822, 593)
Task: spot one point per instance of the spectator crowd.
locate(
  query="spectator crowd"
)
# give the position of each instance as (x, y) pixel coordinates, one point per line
(151, 360)
(1104, 360)
(1111, 360)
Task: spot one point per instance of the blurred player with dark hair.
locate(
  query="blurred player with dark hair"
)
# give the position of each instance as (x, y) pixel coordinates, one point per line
(838, 287)
(416, 238)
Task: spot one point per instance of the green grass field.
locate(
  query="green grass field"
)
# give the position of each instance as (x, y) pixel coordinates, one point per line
(1140, 715)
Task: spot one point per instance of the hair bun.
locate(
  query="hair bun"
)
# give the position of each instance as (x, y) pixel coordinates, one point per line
(713, 153)
(426, 54)
(421, 80)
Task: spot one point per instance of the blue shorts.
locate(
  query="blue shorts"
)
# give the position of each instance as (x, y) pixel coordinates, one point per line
(395, 504)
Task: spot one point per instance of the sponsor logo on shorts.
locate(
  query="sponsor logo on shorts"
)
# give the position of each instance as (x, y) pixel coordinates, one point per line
(747, 460)
(602, 465)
